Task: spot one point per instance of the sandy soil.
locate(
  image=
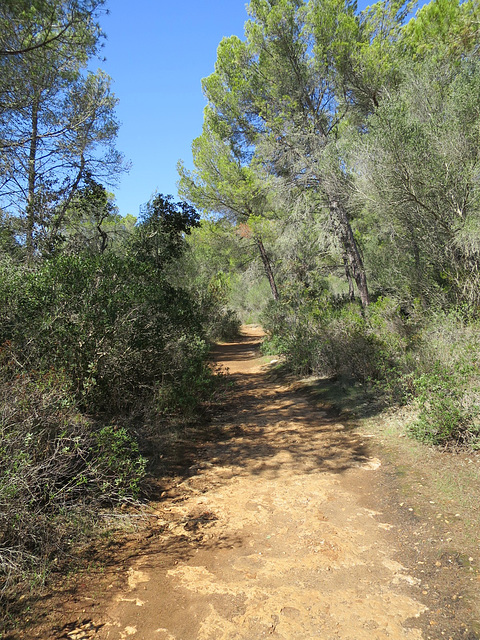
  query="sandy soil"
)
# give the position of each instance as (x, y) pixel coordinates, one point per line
(287, 549)
(276, 530)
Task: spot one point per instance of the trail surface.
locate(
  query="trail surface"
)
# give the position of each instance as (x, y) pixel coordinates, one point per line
(269, 536)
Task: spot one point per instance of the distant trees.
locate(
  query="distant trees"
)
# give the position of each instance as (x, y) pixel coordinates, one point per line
(224, 182)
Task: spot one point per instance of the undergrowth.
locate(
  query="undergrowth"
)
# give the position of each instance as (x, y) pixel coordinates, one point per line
(97, 353)
(402, 355)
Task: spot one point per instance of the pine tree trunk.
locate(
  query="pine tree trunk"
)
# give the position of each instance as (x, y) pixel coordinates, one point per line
(343, 229)
(268, 267)
(32, 174)
(351, 289)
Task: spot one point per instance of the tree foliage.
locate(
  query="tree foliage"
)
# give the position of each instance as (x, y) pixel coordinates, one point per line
(356, 136)
(57, 123)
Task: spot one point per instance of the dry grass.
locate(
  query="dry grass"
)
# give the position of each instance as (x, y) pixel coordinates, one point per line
(448, 478)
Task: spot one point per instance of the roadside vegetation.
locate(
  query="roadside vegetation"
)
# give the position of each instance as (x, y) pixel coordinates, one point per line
(104, 340)
(100, 354)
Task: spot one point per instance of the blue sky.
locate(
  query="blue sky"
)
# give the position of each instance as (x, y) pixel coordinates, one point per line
(157, 52)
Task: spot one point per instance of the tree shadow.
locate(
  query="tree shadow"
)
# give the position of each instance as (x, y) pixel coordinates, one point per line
(262, 433)
(245, 348)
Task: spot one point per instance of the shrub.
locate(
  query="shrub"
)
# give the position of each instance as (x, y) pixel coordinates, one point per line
(430, 359)
(111, 324)
(446, 383)
(446, 414)
(337, 338)
(115, 464)
(87, 343)
(56, 469)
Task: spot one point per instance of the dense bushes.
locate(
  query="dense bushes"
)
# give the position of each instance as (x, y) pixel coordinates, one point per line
(446, 381)
(91, 347)
(430, 359)
(109, 324)
(329, 337)
(57, 467)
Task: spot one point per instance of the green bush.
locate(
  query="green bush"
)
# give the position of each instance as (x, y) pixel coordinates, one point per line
(56, 469)
(446, 382)
(89, 346)
(446, 416)
(337, 338)
(221, 322)
(110, 324)
(117, 465)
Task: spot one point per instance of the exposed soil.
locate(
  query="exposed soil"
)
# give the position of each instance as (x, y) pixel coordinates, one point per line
(289, 526)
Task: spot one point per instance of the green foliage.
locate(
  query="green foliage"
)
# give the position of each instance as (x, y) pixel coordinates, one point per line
(223, 323)
(110, 323)
(336, 338)
(250, 293)
(57, 120)
(160, 234)
(99, 334)
(446, 380)
(9, 244)
(119, 466)
(449, 411)
(217, 255)
(57, 468)
(419, 163)
(92, 223)
(408, 356)
(442, 29)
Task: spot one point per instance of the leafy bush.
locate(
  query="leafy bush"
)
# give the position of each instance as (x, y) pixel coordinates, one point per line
(111, 324)
(446, 383)
(337, 338)
(448, 411)
(88, 343)
(56, 469)
(221, 322)
(118, 467)
(226, 326)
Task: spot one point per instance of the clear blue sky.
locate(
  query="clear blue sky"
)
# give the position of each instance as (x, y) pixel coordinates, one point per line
(157, 52)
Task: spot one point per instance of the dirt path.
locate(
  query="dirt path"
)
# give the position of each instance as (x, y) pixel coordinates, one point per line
(269, 535)
(285, 525)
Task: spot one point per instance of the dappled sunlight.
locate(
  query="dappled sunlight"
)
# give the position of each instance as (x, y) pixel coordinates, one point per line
(275, 426)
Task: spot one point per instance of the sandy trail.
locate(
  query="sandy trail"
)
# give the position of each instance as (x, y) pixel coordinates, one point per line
(269, 536)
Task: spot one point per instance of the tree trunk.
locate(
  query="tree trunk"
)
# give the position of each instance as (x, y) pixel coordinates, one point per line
(32, 174)
(351, 290)
(62, 211)
(343, 229)
(267, 266)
